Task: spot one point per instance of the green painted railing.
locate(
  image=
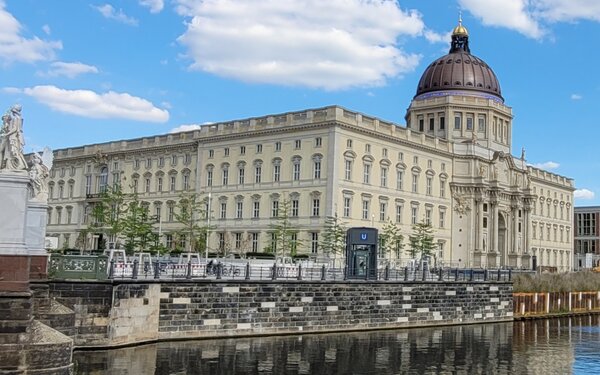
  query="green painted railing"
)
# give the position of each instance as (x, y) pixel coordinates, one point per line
(88, 267)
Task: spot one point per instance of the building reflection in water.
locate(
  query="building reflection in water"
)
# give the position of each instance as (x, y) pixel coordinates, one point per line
(555, 346)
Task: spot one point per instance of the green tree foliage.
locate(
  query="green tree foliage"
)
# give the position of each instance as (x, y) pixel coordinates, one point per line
(108, 213)
(334, 236)
(138, 227)
(421, 240)
(191, 214)
(285, 237)
(391, 240)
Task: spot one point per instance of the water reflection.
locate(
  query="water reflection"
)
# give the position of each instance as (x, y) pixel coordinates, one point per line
(557, 346)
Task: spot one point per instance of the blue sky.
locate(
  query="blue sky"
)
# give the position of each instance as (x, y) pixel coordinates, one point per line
(89, 72)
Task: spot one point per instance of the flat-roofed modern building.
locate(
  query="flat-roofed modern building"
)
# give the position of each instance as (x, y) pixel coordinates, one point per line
(451, 166)
(587, 237)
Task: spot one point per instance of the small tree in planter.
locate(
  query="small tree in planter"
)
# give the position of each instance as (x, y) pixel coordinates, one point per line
(421, 240)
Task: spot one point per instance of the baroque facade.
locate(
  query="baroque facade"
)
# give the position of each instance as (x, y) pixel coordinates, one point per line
(451, 166)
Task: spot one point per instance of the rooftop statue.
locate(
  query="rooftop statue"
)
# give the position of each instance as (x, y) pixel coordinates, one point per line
(11, 141)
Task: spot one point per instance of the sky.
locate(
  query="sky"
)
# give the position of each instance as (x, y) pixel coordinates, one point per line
(92, 72)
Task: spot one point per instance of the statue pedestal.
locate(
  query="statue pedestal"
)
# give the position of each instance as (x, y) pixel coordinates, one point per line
(37, 213)
(14, 256)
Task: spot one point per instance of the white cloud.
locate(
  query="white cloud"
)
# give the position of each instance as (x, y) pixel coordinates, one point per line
(46, 29)
(332, 44)
(583, 194)
(576, 97)
(185, 128)
(69, 69)
(532, 17)
(109, 12)
(16, 48)
(155, 5)
(567, 10)
(433, 37)
(512, 14)
(88, 103)
(549, 165)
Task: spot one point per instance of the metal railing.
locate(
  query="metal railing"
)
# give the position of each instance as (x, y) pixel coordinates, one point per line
(224, 271)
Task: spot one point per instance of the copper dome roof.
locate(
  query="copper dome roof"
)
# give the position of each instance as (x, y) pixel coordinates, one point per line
(459, 71)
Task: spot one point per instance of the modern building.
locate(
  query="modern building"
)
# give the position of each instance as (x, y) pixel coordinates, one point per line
(451, 166)
(587, 237)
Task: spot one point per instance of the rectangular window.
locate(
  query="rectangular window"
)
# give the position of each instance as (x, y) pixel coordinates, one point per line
(421, 124)
(314, 242)
(442, 123)
(346, 207)
(226, 151)
(221, 241)
(431, 124)
(238, 241)
(223, 213)
(255, 242)
(315, 206)
(169, 241)
(225, 177)
(442, 188)
(170, 213)
(186, 182)
(296, 175)
(241, 173)
(255, 210)
(457, 120)
(414, 215)
(242, 152)
(173, 159)
(415, 183)
(384, 172)
(147, 186)
(348, 143)
(149, 163)
(442, 219)
(318, 142)
(173, 183)
(88, 185)
(257, 174)
(239, 210)
(481, 125)
(258, 148)
(382, 211)
(429, 185)
(295, 207)
(209, 178)
(275, 209)
(398, 213)
(348, 170)
(428, 216)
(399, 179)
(277, 146)
(384, 152)
(366, 173)
(365, 210)
(297, 144)
(469, 123)
(317, 169)
(276, 172)
(188, 157)
(368, 148)
(159, 184)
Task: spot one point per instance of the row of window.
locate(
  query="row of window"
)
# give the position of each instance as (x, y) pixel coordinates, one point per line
(548, 232)
(258, 171)
(546, 208)
(187, 159)
(586, 224)
(383, 214)
(318, 142)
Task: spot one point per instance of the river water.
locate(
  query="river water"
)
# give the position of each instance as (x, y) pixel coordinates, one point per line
(553, 346)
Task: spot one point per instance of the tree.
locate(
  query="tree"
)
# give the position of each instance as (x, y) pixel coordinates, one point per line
(107, 214)
(191, 214)
(421, 240)
(285, 241)
(137, 227)
(391, 239)
(334, 236)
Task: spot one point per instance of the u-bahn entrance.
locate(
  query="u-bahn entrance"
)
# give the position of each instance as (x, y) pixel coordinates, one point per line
(361, 253)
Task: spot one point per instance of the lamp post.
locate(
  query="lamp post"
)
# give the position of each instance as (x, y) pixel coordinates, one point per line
(207, 226)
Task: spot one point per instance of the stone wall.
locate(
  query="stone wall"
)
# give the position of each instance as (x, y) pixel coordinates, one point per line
(119, 313)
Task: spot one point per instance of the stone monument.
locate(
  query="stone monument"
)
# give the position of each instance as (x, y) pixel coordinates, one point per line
(26, 345)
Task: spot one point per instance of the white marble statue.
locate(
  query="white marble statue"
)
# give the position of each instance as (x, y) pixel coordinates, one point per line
(40, 173)
(11, 141)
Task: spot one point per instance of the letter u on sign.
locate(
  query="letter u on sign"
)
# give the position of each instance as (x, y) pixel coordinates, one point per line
(363, 236)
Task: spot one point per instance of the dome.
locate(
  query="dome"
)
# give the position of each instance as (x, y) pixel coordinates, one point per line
(459, 71)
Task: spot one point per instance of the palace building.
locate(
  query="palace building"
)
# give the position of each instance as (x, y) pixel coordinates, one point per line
(451, 166)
